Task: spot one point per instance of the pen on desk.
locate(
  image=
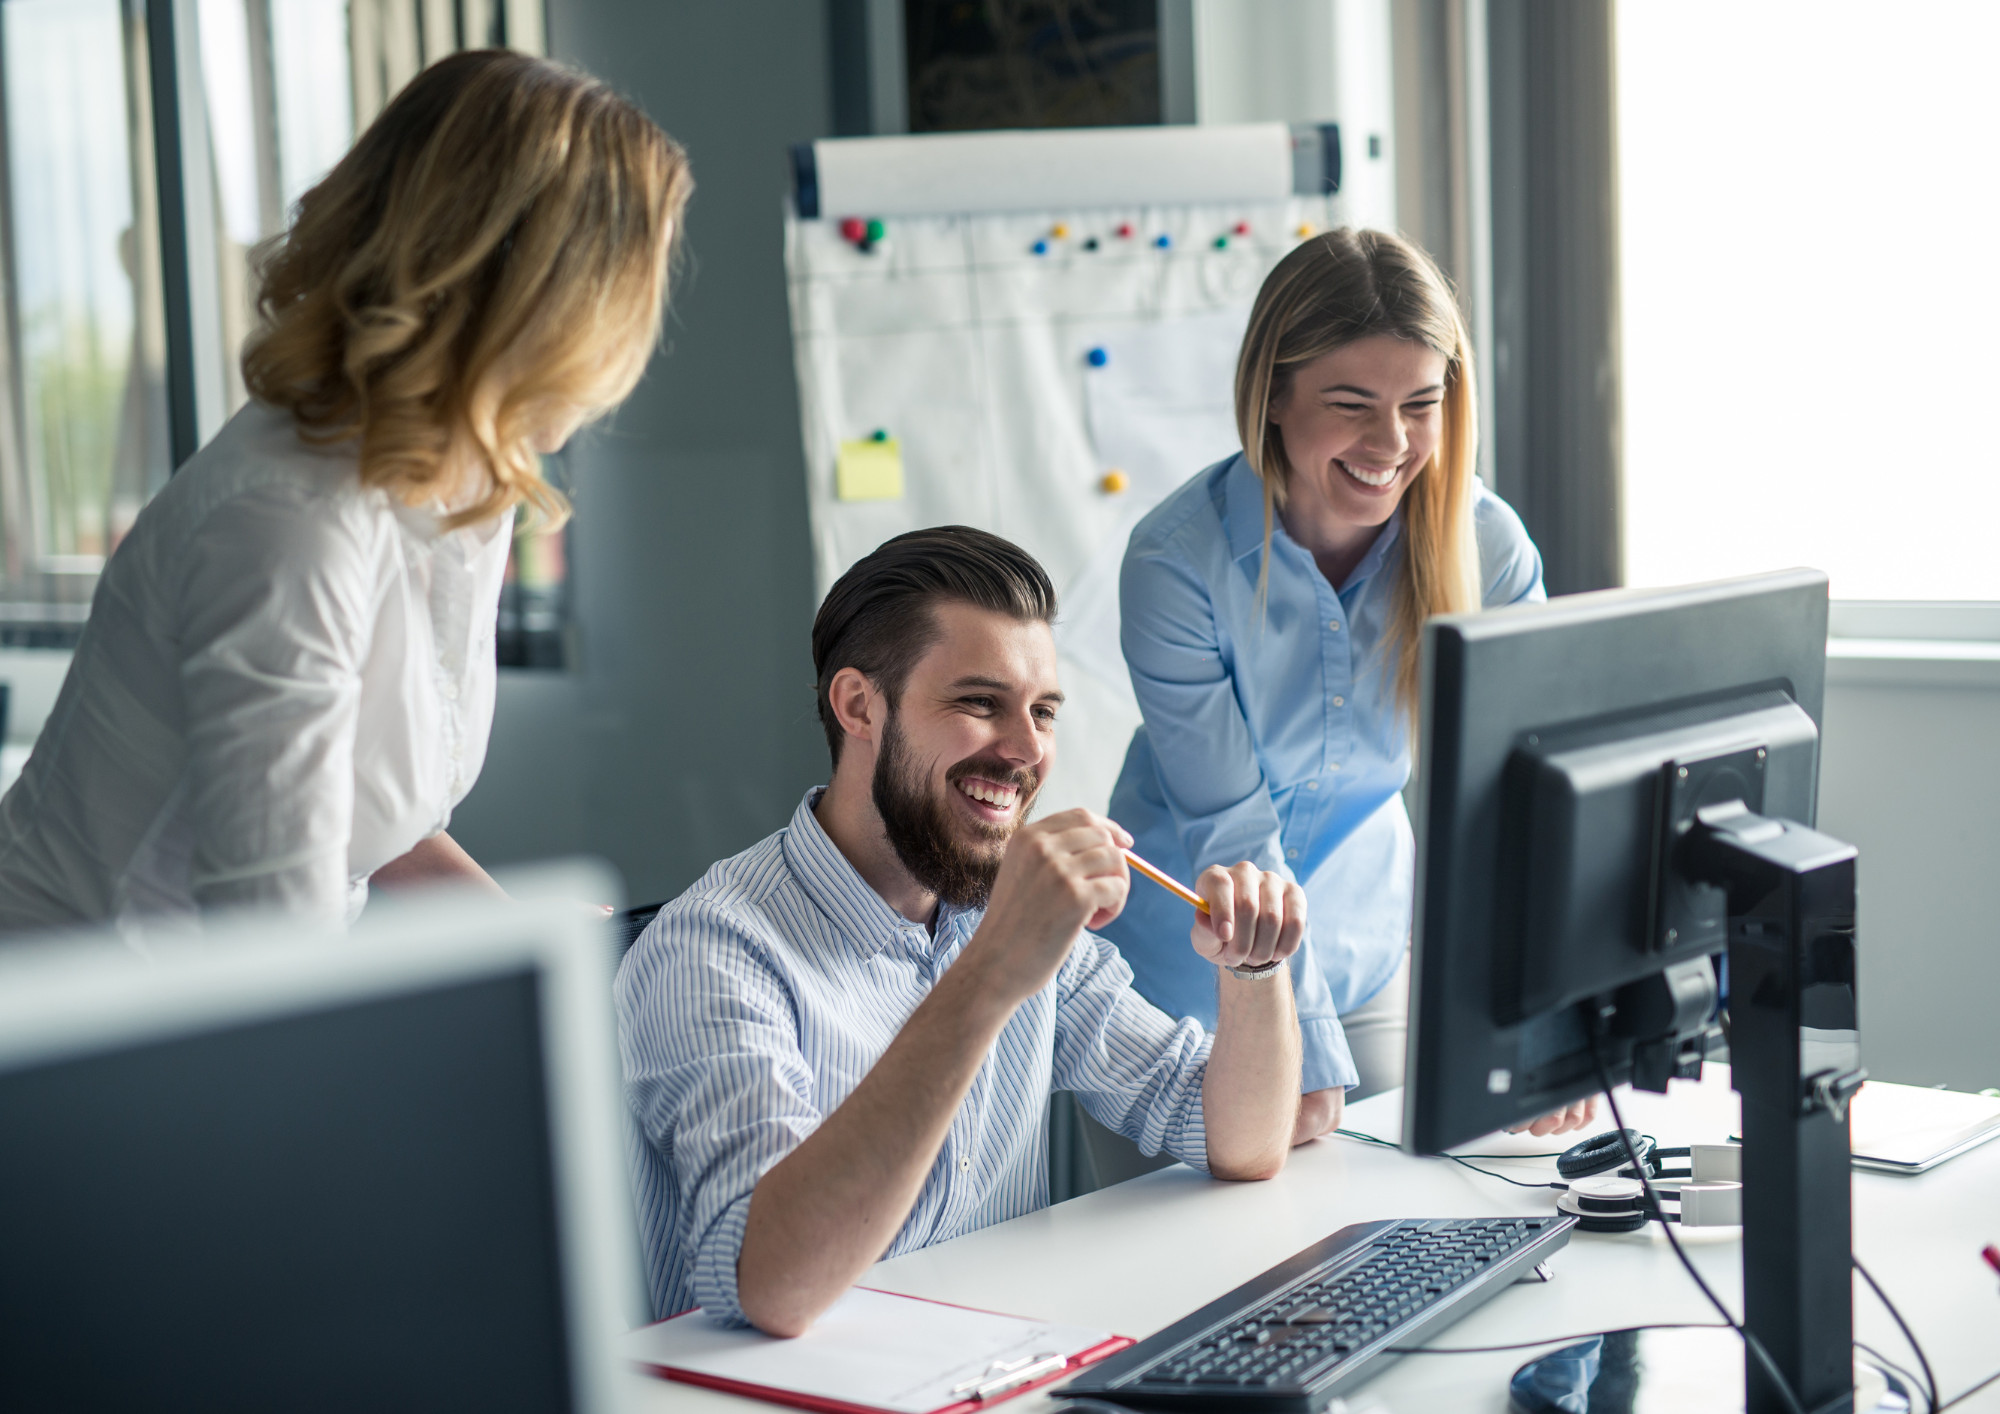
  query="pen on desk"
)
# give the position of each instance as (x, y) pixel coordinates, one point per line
(1028, 1374)
(1166, 881)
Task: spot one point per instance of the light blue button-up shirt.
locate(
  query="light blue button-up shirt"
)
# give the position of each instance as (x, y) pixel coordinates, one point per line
(756, 1002)
(1278, 741)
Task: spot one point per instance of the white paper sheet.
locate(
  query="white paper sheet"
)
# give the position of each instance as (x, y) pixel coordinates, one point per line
(872, 1348)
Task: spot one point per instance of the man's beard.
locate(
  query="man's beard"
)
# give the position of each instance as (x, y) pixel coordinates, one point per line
(922, 830)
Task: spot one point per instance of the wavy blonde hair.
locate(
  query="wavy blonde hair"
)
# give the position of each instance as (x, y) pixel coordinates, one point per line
(496, 244)
(1330, 291)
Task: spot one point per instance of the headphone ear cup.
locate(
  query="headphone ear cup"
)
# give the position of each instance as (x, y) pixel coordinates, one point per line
(1604, 1152)
(1608, 1204)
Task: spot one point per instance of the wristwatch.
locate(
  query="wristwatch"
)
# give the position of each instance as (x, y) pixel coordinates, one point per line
(1258, 974)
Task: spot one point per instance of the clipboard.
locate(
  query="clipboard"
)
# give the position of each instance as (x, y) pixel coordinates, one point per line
(874, 1352)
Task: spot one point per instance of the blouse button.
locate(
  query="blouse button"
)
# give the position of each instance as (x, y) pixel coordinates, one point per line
(1334, 767)
(1333, 624)
(1312, 785)
(965, 1163)
(1291, 854)
(1340, 701)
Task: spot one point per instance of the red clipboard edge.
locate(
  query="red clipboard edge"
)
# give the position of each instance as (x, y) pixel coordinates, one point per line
(823, 1405)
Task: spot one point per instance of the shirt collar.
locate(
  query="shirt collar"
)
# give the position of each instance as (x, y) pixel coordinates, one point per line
(1243, 509)
(858, 914)
(1378, 552)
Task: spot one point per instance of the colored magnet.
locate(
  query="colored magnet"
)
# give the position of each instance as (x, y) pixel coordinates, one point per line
(880, 434)
(1222, 243)
(1090, 244)
(1061, 231)
(1305, 228)
(876, 230)
(1163, 240)
(870, 470)
(1113, 482)
(1125, 230)
(1097, 358)
(854, 229)
(1040, 247)
(1242, 228)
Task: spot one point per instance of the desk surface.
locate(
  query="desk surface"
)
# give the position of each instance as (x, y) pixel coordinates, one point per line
(1139, 1255)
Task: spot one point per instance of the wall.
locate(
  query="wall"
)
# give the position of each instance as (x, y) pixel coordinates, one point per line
(687, 730)
(1909, 773)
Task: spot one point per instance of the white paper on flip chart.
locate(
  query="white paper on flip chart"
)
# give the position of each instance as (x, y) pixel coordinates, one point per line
(1160, 409)
(872, 1348)
(954, 337)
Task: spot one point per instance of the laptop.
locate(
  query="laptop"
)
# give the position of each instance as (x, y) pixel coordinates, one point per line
(1908, 1129)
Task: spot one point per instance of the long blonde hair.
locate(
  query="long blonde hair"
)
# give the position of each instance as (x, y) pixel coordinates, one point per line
(1330, 291)
(501, 207)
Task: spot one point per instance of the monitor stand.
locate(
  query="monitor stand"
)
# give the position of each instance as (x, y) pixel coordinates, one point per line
(1794, 1055)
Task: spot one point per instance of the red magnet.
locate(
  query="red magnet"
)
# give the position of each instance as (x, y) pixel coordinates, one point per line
(1125, 230)
(1242, 228)
(854, 229)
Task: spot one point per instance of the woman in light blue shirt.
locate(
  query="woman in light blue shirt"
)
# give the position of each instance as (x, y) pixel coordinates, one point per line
(1271, 612)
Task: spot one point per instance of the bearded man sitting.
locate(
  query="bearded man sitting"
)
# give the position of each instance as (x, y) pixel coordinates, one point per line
(840, 1043)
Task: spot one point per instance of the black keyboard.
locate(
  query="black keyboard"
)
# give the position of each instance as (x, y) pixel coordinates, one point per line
(1326, 1319)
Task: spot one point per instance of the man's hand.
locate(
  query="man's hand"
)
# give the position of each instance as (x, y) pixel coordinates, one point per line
(1319, 1113)
(1059, 876)
(1253, 917)
(1561, 1121)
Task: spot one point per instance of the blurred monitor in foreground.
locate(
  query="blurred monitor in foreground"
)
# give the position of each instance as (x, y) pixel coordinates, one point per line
(380, 1170)
(1566, 748)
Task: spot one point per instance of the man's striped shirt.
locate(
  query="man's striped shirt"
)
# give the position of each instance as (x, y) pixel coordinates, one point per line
(756, 1002)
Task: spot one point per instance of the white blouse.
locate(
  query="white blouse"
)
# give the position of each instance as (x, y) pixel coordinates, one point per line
(285, 683)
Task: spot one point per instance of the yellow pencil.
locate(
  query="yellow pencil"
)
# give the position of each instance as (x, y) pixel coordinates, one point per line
(1166, 881)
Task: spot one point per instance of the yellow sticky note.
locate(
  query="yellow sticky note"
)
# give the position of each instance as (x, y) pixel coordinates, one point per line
(869, 471)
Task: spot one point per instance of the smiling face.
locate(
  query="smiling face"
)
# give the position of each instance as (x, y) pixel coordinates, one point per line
(966, 748)
(1359, 424)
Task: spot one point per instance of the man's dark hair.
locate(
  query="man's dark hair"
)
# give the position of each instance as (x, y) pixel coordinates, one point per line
(879, 617)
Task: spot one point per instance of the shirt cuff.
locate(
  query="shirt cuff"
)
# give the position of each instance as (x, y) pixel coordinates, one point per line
(715, 1264)
(1326, 1062)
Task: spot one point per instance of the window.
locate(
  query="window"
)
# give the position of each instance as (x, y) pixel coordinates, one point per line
(82, 410)
(87, 406)
(1808, 310)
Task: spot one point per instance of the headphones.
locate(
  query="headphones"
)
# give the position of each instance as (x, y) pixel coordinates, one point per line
(1605, 1193)
(1605, 1152)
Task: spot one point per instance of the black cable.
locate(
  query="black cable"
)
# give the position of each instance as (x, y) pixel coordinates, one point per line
(1549, 1340)
(1517, 1182)
(1750, 1341)
(1964, 1395)
(1392, 1144)
(1930, 1405)
(1930, 1380)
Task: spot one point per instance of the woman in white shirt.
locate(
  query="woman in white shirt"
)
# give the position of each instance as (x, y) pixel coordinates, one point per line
(287, 678)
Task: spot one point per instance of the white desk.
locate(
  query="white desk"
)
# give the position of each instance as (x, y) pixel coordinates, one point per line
(1141, 1254)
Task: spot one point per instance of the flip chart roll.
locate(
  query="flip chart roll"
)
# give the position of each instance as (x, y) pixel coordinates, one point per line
(1069, 169)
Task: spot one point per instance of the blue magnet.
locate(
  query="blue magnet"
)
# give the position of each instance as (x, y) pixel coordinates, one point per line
(1097, 358)
(1040, 247)
(1163, 240)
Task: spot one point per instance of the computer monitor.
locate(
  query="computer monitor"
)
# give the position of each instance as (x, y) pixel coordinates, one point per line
(381, 1170)
(1542, 809)
(1616, 790)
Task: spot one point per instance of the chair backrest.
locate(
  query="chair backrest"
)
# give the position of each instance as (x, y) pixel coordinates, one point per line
(631, 923)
